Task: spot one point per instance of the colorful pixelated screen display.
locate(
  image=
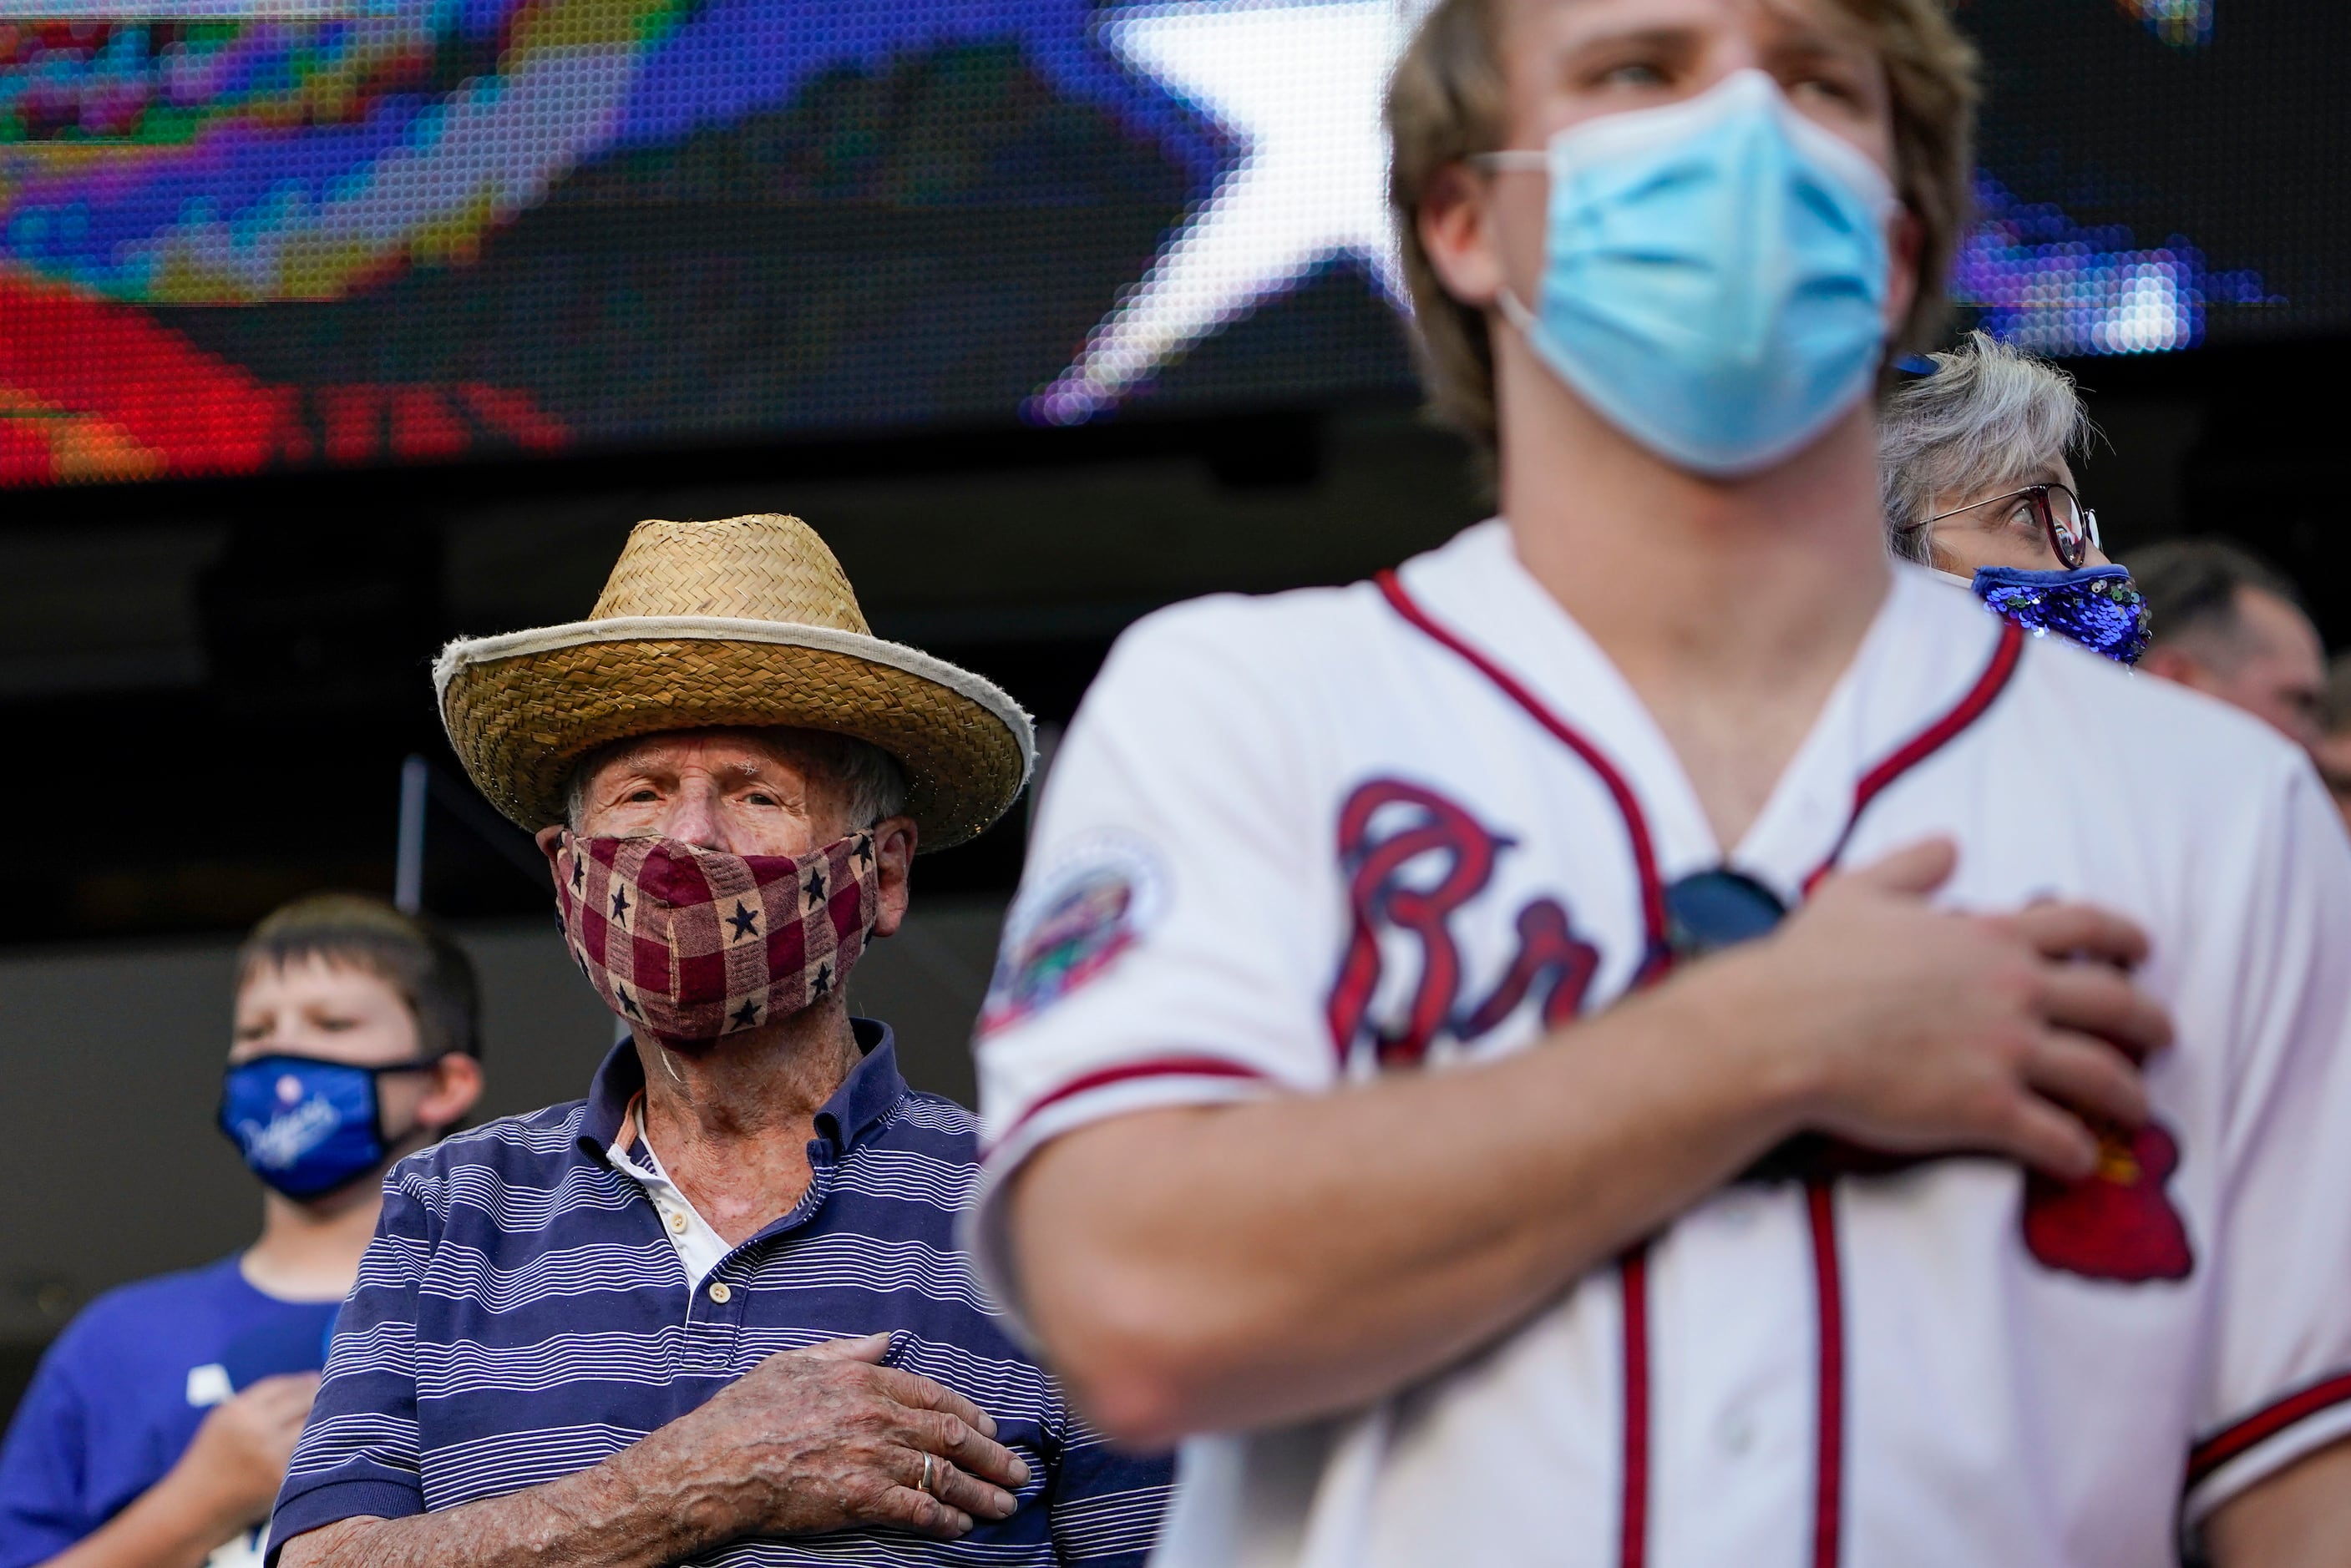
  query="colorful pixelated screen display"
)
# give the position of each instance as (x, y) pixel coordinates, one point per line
(238, 235)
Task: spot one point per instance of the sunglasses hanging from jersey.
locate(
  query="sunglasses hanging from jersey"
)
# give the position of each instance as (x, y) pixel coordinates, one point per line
(1711, 910)
(1693, 917)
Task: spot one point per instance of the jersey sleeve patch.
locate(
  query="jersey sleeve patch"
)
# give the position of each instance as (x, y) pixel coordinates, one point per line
(1099, 900)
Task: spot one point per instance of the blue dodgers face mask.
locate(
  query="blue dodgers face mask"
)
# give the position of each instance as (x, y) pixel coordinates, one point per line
(2099, 607)
(305, 1126)
(1715, 274)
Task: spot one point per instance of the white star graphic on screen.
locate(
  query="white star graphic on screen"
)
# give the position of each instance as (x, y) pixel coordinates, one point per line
(2185, 24)
(1298, 83)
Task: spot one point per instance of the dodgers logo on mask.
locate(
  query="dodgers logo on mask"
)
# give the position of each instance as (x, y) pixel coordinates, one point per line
(305, 1126)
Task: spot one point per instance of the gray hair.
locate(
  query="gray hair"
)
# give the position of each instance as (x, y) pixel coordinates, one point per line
(1986, 417)
(869, 778)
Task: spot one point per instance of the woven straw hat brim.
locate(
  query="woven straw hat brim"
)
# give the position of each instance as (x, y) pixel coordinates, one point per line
(522, 707)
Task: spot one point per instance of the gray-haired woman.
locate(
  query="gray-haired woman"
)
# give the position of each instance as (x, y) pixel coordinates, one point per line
(1977, 486)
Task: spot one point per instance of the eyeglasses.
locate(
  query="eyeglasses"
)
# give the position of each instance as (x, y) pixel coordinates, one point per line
(2073, 528)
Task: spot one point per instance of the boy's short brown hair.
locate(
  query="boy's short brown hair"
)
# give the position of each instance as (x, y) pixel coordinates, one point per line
(1446, 102)
(415, 958)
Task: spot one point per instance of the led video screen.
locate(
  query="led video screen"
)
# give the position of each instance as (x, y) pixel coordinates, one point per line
(239, 236)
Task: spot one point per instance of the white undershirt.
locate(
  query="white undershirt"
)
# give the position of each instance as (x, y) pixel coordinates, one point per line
(700, 1249)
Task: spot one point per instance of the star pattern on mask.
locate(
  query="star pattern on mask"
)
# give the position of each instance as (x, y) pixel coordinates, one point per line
(579, 873)
(628, 1002)
(745, 919)
(864, 851)
(621, 904)
(746, 1016)
(824, 986)
(815, 888)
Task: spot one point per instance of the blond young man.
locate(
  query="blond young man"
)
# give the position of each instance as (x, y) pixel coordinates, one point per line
(1384, 1098)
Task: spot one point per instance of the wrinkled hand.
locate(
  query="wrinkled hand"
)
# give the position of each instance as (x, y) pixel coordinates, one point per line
(823, 1440)
(1931, 1031)
(237, 1459)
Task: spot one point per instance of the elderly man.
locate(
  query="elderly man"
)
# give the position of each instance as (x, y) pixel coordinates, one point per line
(2229, 624)
(716, 1307)
(1593, 1047)
(1978, 487)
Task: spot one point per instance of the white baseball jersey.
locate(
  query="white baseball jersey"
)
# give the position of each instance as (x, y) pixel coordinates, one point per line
(1294, 842)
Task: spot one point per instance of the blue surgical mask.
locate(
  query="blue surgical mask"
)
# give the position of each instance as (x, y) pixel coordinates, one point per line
(1715, 274)
(305, 1126)
(2097, 607)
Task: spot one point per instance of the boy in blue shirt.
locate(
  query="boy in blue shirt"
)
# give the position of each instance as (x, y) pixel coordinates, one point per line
(156, 1432)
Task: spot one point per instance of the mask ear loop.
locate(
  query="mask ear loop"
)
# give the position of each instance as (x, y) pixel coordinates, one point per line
(1521, 161)
(383, 1138)
(1515, 312)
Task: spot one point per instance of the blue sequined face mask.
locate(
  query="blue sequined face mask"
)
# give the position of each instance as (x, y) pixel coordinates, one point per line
(2097, 607)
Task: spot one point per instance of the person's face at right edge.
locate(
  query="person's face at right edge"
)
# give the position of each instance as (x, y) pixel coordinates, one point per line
(2281, 679)
(1567, 61)
(2333, 755)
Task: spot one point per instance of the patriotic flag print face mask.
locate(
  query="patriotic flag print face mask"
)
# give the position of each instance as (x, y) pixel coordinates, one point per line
(688, 945)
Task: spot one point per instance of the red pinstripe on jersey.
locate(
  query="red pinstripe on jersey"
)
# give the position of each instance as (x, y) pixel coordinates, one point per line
(1632, 1513)
(1828, 1468)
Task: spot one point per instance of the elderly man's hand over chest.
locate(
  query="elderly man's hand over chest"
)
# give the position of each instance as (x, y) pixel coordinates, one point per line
(823, 1440)
(809, 1442)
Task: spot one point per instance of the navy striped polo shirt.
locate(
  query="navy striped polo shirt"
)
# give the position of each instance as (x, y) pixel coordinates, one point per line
(521, 1315)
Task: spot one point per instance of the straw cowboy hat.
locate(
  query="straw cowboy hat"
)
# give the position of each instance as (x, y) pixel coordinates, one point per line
(744, 623)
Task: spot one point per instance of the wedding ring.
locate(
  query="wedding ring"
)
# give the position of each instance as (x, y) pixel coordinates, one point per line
(926, 1474)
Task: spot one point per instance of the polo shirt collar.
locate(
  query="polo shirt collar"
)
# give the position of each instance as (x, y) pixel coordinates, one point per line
(873, 1087)
(870, 1093)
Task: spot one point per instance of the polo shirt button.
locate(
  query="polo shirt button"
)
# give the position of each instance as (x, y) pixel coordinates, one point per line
(677, 1221)
(720, 1293)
